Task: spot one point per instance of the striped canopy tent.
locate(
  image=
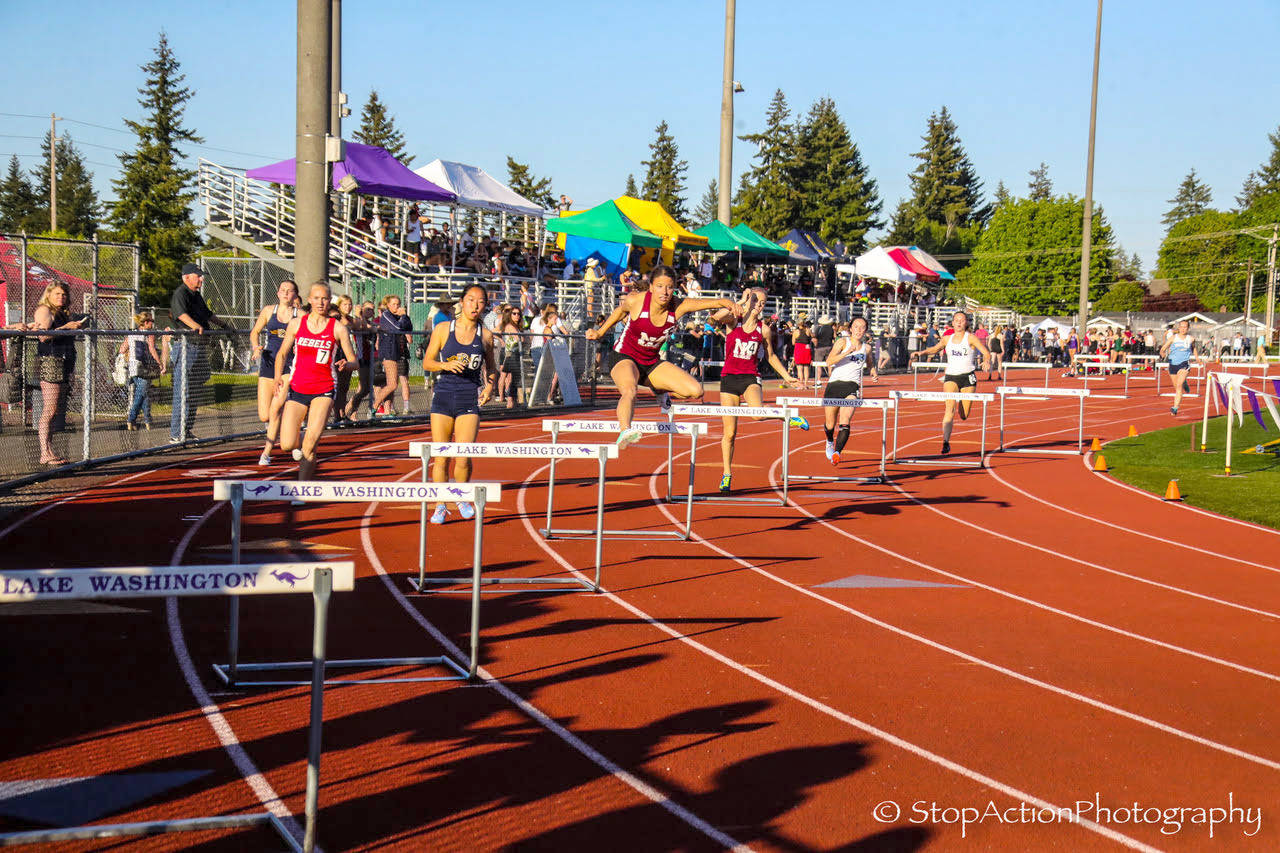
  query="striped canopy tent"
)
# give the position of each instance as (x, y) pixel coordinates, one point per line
(930, 262)
(903, 258)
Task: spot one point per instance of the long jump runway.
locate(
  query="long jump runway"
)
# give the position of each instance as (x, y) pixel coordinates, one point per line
(1023, 656)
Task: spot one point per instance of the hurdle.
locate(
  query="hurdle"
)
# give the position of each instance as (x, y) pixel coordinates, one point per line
(667, 428)
(1005, 367)
(236, 492)
(883, 404)
(426, 450)
(984, 399)
(1141, 362)
(767, 412)
(1195, 371)
(1006, 391)
(321, 579)
(917, 366)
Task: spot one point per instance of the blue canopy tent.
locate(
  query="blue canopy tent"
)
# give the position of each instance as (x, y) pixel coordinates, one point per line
(807, 245)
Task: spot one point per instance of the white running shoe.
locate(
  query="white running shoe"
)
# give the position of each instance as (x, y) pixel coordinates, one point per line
(297, 454)
(265, 458)
(664, 402)
(829, 450)
(467, 511)
(439, 516)
(628, 437)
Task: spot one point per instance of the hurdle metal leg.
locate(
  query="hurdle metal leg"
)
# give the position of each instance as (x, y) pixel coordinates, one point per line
(731, 501)
(943, 461)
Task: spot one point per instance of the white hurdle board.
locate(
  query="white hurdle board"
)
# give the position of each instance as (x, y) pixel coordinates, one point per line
(763, 412)
(884, 404)
(670, 430)
(320, 579)
(1006, 391)
(236, 492)
(931, 366)
(941, 396)
(427, 450)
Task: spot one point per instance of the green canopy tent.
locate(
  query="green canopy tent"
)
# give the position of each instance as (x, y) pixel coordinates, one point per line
(762, 244)
(603, 232)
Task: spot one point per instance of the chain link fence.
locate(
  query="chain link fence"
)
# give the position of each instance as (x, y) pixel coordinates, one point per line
(101, 277)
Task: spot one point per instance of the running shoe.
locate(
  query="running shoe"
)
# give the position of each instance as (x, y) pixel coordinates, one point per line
(829, 450)
(1186, 387)
(664, 402)
(725, 482)
(439, 516)
(265, 458)
(466, 510)
(799, 421)
(835, 458)
(1173, 410)
(628, 437)
(946, 448)
(296, 453)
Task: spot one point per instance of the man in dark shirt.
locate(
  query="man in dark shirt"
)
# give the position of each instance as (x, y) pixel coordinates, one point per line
(190, 310)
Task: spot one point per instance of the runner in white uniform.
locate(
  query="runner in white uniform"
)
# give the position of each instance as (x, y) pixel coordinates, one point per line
(959, 376)
(849, 358)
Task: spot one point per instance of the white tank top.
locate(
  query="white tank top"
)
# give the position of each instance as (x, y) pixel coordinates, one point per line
(850, 366)
(959, 355)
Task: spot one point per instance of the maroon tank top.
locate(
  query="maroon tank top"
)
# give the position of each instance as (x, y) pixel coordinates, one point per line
(742, 352)
(642, 339)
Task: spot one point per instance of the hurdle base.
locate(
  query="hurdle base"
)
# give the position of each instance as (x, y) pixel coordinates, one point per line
(725, 500)
(955, 463)
(612, 534)
(828, 478)
(460, 673)
(155, 827)
(1036, 452)
(559, 584)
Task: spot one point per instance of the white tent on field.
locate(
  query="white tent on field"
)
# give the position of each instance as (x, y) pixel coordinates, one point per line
(477, 188)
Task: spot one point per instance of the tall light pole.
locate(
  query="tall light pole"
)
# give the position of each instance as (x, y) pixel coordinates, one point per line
(1087, 231)
(53, 171)
(311, 237)
(726, 116)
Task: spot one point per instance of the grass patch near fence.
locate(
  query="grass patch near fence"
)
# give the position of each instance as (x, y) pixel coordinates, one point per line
(1252, 492)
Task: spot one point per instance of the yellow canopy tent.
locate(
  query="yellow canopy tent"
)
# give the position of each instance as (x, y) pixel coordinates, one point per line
(650, 216)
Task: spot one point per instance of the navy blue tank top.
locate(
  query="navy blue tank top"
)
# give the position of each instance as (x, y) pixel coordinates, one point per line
(471, 354)
(275, 332)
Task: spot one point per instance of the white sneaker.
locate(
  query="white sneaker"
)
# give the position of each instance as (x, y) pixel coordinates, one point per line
(265, 458)
(297, 454)
(439, 516)
(628, 437)
(664, 402)
(467, 511)
(829, 450)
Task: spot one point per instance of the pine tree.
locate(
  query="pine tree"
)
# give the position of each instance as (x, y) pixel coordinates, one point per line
(1002, 194)
(523, 182)
(1192, 199)
(631, 189)
(17, 198)
(1040, 188)
(708, 209)
(378, 127)
(1265, 179)
(78, 208)
(664, 180)
(766, 199)
(153, 199)
(839, 198)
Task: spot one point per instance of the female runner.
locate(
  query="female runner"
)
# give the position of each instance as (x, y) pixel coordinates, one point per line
(802, 339)
(740, 376)
(314, 340)
(393, 351)
(274, 320)
(1179, 348)
(849, 359)
(461, 351)
(652, 315)
(958, 377)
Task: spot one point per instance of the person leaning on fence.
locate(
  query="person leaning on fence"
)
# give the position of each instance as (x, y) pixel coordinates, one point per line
(189, 353)
(56, 362)
(144, 366)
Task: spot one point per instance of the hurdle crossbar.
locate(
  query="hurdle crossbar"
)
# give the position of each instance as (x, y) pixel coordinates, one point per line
(236, 492)
(957, 396)
(764, 412)
(1006, 391)
(883, 404)
(555, 427)
(917, 366)
(1195, 370)
(1005, 367)
(321, 579)
(426, 450)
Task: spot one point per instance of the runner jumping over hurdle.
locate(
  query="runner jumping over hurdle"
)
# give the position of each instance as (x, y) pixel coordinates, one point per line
(1179, 348)
(740, 376)
(958, 377)
(462, 353)
(849, 358)
(652, 314)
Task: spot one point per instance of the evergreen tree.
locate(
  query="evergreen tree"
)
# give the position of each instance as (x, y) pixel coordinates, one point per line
(523, 182)
(1040, 188)
(78, 208)
(378, 127)
(631, 189)
(1192, 199)
(767, 200)
(1002, 194)
(839, 197)
(153, 199)
(1265, 179)
(1210, 268)
(1121, 296)
(664, 180)
(708, 209)
(17, 198)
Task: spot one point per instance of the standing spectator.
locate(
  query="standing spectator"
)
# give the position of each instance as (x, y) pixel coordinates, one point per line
(190, 354)
(705, 271)
(931, 337)
(564, 204)
(392, 350)
(56, 358)
(413, 233)
(144, 365)
(528, 303)
(595, 279)
(824, 335)
(546, 327)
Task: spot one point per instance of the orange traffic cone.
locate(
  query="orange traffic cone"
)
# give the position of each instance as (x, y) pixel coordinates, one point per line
(1133, 431)
(1171, 492)
(1100, 464)
(1096, 446)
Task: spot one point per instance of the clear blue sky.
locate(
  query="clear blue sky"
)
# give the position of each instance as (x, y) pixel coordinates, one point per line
(575, 89)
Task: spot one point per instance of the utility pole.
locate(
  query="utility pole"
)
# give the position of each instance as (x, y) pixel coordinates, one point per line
(726, 116)
(337, 100)
(53, 171)
(1271, 278)
(1087, 231)
(311, 246)
(1248, 298)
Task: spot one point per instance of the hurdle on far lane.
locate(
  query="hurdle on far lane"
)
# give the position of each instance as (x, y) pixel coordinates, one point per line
(764, 412)
(941, 396)
(1041, 394)
(883, 404)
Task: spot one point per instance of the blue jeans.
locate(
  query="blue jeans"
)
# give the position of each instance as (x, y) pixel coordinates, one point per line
(183, 355)
(140, 399)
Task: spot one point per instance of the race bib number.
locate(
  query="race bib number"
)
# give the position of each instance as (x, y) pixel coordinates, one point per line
(322, 356)
(745, 349)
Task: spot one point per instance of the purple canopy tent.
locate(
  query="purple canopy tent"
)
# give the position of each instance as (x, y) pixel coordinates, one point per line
(374, 170)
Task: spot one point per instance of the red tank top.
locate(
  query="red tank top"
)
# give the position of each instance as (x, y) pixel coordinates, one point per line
(642, 339)
(742, 352)
(313, 359)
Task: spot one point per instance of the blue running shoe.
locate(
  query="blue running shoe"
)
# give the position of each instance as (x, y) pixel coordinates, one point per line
(439, 516)
(467, 511)
(799, 421)
(725, 482)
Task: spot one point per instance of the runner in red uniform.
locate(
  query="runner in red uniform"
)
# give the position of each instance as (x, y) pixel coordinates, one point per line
(652, 315)
(316, 337)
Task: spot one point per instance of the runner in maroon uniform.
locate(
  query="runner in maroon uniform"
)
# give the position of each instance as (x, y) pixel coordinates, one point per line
(740, 376)
(316, 337)
(652, 315)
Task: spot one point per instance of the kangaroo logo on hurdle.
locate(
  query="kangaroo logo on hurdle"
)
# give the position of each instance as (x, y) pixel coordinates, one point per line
(439, 448)
(456, 492)
(257, 490)
(289, 577)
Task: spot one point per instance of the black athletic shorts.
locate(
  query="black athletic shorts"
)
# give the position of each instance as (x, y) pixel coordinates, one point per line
(738, 383)
(1175, 369)
(964, 380)
(616, 358)
(305, 399)
(842, 390)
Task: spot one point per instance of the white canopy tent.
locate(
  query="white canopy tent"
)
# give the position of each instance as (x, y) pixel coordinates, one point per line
(477, 188)
(878, 264)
